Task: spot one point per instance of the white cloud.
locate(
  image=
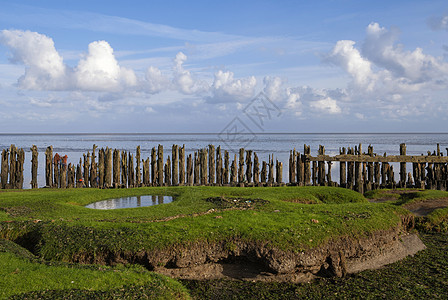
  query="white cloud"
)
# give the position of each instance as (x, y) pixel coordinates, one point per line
(327, 105)
(99, 70)
(155, 81)
(439, 23)
(183, 80)
(45, 67)
(273, 88)
(225, 88)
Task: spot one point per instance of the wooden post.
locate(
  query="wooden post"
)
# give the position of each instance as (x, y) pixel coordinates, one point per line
(306, 163)
(108, 168)
(342, 170)
(241, 166)
(211, 164)
(63, 170)
(57, 170)
(225, 175)
(168, 172)
(5, 168)
(154, 166)
(279, 172)
(101, 168)
(403, 172)
(219, 169)
(124, 169)
(358, 177)
(116, 168)
(329, 163)
(271, 169)
(292, 166)
(423, 175)
(350, 171)
(34, 164)
(190, 170)
(131, 175)
(138, 176)
(12, 166)
(256, 170)
(197, 164)
(19, 168)
(321, 167)
(86, 169)
(175, 156)
(182, 165)
(160, 165)
(203, 159)
(315, 173)
(263, 172)
(79, 175)
(234, 171)
(146, 173)
(249, 166)
(377, 171)
(300, 169)
(93, 169)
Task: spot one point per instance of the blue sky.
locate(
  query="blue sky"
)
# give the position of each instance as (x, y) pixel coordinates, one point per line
(179, 66)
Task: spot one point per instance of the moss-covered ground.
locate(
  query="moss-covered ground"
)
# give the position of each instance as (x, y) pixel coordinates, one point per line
(55, 226)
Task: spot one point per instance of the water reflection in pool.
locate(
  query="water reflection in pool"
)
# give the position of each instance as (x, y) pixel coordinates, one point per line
(130, 202)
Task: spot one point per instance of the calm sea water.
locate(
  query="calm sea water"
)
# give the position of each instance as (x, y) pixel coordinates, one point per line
(74, 145)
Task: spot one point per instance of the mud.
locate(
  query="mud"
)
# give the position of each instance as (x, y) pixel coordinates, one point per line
(258, 261)
(424, 208)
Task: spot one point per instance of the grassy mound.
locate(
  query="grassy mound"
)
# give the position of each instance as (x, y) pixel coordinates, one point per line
(25, 276)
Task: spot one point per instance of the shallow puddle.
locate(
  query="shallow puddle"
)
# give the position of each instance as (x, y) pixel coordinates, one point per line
(131, 202)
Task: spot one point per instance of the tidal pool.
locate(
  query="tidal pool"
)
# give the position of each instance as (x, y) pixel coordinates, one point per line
(130, 202)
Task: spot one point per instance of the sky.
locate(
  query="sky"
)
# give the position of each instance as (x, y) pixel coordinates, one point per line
(223, 66)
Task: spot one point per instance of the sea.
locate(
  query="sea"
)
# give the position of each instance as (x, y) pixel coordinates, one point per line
(264, 144)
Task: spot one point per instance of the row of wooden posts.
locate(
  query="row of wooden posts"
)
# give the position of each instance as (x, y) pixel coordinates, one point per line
(366, 171)
(112, 168)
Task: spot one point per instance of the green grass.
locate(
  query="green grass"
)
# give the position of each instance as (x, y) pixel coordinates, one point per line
(403, 196)
(67, 228)
(21, 272)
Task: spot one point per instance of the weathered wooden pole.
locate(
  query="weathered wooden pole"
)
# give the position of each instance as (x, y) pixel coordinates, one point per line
(264, 172)
(249, 166)
(403, 172)
(175, 156)
(5, 169)
(49, 166)
(219, 169)
(384, 174)
(292, 166)
(124, 169)
(108, 167)
(79, 176)
(342, 170)
(86, 169)
(93, 169)
(19, 168)
(234, 171)
(63, 170)
(101, 168)
(34, 164)
(116, 168)
(197, 168)
(300, 169)
(329, 181)
(321, 167)
(279, 172)
(271, 169)
(154, 166)
(211, 164)
(358, 177)
(57, 170)
(182, 165)
(12, 166)
(160, 165)
(203, 159)
(306, 164)
(146, 170)
(138, 176)
(315, 173)
(377, 172)
(190, 177)
(241, 166)
(131, 175)
(225, 175)
(168, 172)
(423, 175)
(256, 170)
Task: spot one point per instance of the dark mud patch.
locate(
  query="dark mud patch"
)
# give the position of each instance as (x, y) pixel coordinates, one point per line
(424, 208)
(231, 202)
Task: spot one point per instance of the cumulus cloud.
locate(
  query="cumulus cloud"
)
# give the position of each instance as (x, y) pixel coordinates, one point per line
(45, 69)
(155, 81)
(225, 88)
(273, 88)
(383, 67)
(317, 100)
(183, 79)
(98, 70)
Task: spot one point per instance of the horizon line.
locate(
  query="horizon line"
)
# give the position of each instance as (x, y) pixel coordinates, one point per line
(210, 133)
